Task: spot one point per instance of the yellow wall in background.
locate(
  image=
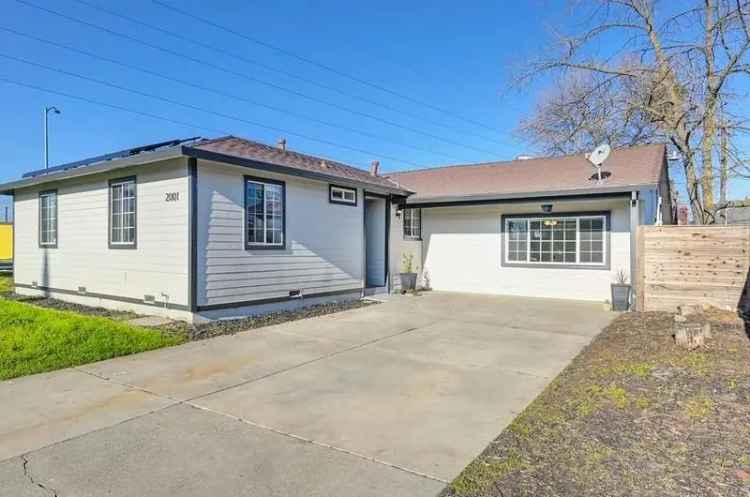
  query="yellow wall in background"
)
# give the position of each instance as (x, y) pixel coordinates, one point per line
(6, 242)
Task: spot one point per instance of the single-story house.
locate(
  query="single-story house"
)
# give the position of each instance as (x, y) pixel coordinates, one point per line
(201, 229)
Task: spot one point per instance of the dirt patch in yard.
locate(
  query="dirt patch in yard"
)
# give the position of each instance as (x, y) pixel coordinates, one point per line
(228, 327)
(633, 415)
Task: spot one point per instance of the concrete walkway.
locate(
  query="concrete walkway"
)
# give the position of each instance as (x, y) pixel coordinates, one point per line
(393, 399)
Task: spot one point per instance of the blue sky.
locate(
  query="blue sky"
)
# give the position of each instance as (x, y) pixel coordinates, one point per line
(452, 55)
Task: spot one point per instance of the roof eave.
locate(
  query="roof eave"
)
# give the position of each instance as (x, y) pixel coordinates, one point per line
(508, 197)
(291, 171)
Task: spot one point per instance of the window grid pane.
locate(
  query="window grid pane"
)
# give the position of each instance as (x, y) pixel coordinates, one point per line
(265, 213)
(48, 218)
(412, 223)
(562, 240)
(122, 213)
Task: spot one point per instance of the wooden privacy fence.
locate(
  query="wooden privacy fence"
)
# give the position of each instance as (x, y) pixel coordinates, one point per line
(683, 265)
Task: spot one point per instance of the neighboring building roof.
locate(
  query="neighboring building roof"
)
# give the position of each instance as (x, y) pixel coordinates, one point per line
(227, 149)
(567, 175)
(738, 215)
(232, 146)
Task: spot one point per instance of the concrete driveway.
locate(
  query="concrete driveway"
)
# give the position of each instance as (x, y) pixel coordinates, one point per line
(393, 399)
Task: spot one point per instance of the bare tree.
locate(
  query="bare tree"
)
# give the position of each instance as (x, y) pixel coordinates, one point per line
(582, 110)
(672, 71)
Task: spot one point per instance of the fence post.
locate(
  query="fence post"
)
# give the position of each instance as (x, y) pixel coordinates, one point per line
(639, 279)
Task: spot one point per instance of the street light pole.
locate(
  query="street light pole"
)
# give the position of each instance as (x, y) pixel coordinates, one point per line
(46, 133)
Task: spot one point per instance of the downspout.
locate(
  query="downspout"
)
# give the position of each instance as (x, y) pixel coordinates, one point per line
(193, 235)
(364, 243)
(388, 245)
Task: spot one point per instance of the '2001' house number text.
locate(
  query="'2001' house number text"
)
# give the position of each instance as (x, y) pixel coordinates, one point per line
(172, 196)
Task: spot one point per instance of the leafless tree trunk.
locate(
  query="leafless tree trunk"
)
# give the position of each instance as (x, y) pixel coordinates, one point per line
(674, 73)
(724, 172)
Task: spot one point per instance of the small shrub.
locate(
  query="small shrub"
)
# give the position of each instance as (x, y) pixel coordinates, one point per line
(617, 395)
(699, 408)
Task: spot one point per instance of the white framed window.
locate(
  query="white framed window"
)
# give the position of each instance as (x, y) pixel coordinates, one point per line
(342, 195)
(48, 219)
(412, 224)
(264, 213)
(565, 240)
(122, 213)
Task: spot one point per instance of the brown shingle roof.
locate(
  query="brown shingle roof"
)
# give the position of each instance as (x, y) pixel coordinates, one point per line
(634, 166)
(246, 149)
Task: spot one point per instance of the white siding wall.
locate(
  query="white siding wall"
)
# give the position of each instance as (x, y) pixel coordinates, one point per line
(461, 251)
(324, 241)
(159, 265)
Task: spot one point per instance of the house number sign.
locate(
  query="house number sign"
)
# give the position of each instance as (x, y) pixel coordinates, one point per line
(172, 196)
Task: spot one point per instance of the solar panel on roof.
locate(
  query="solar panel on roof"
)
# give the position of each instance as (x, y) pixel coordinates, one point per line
(113, 155)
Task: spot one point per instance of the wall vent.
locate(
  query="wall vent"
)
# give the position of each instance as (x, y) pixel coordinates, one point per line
(81, 289)
(295, 294)
(34, 284)
(149, 299)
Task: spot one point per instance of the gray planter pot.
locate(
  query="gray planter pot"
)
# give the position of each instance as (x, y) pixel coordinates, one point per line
(408, 281)
(620, 297)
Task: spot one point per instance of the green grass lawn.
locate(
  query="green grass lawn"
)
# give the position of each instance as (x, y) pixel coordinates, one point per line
(34, 339)
(6, 283)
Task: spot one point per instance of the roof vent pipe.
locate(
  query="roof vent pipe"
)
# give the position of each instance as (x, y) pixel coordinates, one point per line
(375, 168)
(281, 144)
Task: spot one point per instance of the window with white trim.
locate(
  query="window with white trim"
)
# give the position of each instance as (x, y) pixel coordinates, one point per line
(341, 195)
(564, 240)
(412, 223)
(264, 213)
(122, 213)
(48, 219)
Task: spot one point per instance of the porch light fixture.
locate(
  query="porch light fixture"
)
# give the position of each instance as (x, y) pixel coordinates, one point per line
(547, 208)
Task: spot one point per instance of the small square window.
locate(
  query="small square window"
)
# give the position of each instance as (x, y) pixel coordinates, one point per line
(341, 195)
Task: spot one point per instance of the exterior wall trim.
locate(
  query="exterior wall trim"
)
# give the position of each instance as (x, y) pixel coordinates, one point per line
(193, 234)
(608, 253)
(274, 300)
(518, 199)
(104, 296)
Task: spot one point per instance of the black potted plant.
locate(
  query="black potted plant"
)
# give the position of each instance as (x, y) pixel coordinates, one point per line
(408, 273)
(621, 291)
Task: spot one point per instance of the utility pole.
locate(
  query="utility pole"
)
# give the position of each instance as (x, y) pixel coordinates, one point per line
(47, 110)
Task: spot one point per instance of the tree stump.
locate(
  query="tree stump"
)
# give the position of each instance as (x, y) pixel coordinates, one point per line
(691, 333)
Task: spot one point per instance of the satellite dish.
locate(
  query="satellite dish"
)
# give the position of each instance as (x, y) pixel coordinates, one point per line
(597, 158)
(600, 154)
